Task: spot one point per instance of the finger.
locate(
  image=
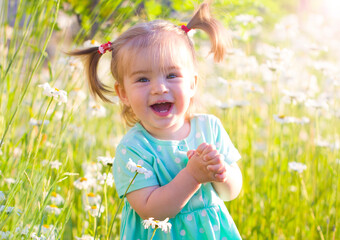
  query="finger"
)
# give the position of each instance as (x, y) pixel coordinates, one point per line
(217, 168)
(201, 148)
(208, 149)
(211, 155)
(218, 159)
(190, 153)
(222, 177)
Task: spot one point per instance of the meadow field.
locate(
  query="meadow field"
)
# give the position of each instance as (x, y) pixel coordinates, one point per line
(277, 93)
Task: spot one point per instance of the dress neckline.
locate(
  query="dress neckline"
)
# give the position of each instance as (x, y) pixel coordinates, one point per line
(169, 142)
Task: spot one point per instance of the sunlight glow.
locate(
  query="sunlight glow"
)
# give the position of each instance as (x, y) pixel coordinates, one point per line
(332, 8)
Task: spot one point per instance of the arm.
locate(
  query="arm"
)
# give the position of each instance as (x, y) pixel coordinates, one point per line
(231, 187)
(165, 201)
(228, 178)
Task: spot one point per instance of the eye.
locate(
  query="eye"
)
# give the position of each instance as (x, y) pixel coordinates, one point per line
(172, 75)
(143, 79)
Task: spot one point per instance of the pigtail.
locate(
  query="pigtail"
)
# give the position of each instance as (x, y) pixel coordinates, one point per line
(91, 57)
(218, 35)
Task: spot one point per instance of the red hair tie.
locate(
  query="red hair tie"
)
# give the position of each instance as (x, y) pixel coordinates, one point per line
(185, 28)
(105, 47)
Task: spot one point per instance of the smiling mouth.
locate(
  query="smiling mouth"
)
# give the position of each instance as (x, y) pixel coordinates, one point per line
(163, 107)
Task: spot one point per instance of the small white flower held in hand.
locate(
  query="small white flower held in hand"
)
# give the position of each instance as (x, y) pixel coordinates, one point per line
(296, 166)
(133, 167)
(59, 95)
(164, 225)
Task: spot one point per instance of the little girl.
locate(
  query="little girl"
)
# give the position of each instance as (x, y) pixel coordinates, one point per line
(192, 160)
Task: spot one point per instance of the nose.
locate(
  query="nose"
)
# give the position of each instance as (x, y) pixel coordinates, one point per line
(159, 86)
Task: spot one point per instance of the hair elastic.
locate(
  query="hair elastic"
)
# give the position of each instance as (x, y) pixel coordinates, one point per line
(185, 28)
(105, 47)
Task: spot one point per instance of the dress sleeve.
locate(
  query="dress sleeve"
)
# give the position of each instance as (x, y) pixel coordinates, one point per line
(223, 143)
(123, 176)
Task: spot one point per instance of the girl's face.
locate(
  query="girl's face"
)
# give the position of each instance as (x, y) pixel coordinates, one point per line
(159, 90)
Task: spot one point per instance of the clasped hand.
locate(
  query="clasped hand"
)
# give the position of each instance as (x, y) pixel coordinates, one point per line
(206, 164)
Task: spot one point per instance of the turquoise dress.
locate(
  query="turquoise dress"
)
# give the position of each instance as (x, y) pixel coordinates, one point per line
(205, 216)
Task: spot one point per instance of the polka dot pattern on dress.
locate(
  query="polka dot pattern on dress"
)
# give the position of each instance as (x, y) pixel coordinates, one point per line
(182, 232)
(124, 151)
(218, 145)
(189, 217)
(177, 160)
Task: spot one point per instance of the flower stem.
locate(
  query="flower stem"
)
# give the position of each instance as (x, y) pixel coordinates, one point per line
(101, 202)
(153, 234)
(120, 203)
(311, 209)
(39, 137)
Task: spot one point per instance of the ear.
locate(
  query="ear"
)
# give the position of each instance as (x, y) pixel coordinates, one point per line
(193, 85)
(122, 94)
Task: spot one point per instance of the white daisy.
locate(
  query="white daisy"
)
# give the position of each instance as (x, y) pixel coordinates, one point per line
(106, 160)
(96, 110)
(296, 166)
(35, 237)
(55, 164)
(35, 122)
(9, 210)
(317, 104)
(164, 225)
(133, 167)
(5, 235)
(286, 119)
(53, 209)
(22, 231)
(9, 180)
(93, 198)
(59, 95)
(84, 182)
(94, 210)
(56, 198)
(105, 177)
(85, 237)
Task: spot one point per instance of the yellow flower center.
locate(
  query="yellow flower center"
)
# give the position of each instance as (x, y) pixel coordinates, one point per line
(93, 42)
(282, 116)
(93, 207)
(53, 206)
(83, 179)
(139, 166)
(91, 194)
(56, 89)
(46, 226)
(54, 194)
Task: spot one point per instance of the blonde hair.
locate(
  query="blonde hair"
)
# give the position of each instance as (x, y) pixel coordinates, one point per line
(148, 34)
